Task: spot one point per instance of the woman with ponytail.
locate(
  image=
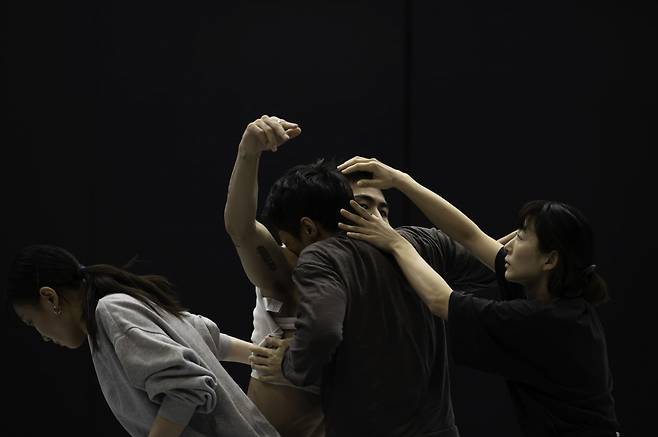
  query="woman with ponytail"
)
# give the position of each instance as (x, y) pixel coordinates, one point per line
(544, 336)
(157, 364)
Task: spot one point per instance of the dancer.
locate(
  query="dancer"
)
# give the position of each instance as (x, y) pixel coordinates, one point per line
(157, 364)
(551, 346)
(361, 331)
(294, 411)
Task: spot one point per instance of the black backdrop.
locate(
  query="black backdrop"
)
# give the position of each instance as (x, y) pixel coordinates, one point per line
(123, 121)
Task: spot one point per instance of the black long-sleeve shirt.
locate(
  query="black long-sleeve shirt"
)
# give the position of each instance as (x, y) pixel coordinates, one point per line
(363, 331)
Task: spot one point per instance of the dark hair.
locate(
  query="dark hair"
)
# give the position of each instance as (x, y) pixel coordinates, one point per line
(51, 266)
(316, 190)
(356, 176)
(565, 229)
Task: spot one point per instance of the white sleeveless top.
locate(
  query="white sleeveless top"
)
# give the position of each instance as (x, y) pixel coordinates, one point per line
(265, 324)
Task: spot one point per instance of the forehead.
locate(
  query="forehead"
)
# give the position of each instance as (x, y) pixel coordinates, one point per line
(369, 193)
(528, 225)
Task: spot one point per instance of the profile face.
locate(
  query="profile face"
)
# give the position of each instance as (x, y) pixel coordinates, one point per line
(62, 329)
(291, 243)
(524, 261)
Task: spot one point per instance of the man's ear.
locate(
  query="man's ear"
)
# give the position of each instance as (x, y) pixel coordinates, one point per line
(308, 229)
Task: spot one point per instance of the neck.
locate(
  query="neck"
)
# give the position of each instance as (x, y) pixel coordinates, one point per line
(539, 290)
(76, 310)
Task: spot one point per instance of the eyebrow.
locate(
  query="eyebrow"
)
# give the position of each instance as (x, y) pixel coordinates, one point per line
(382, 204)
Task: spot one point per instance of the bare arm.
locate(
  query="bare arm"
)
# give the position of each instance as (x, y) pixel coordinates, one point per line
(438, 210)
(162, 427)
(261, 256)
(430, 286)
(239, 350)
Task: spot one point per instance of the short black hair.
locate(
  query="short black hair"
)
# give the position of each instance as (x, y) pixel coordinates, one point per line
(316, 190)
(564, 228)
(356, 176)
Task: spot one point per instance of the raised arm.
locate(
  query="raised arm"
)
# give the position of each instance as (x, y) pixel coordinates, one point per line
(261, 256)
(438, 210)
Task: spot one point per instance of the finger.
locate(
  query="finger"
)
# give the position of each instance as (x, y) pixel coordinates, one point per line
(262, 351)
(268, 131)
(256, 129)
(359, 236)
(368, 166)
(273, 342)
(350, 228)
(361, 210)
(265, 370)
(287, 125)
(350, 162)
(256, 359)
(270, 378)
(354, 218)
(278, 130)
(370, 183)
(294, 132)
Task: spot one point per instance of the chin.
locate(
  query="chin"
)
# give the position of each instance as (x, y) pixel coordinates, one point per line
(75, 345)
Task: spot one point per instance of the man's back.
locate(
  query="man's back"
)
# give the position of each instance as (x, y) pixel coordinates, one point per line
(380, 353)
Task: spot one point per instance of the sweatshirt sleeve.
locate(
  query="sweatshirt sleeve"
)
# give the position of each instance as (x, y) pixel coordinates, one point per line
(172, 375)
(219, 343)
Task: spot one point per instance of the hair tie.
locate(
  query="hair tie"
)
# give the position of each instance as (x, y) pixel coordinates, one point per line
(82, 270)
(588, 271)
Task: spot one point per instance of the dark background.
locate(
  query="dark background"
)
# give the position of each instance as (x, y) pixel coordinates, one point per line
(123, 122)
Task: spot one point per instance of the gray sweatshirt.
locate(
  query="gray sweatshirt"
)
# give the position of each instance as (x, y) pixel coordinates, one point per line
(151, 363)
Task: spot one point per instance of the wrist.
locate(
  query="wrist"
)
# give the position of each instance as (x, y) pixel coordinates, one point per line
(402, 180)
(400, 246)
(248, 152)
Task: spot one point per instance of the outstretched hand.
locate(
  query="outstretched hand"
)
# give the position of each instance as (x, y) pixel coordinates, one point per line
(268, 133)
(370, 228)
(268, 360)
(383, 176)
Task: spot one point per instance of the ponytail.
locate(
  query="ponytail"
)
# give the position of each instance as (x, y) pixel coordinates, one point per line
(39, 266)
(100, 280)
(595, 290)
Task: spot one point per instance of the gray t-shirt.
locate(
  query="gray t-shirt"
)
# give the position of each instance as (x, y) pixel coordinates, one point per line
(150, 362)
(363, 330)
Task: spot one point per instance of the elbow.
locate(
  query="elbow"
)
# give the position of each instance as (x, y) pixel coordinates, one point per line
(238, 232)
(229, 225)
(439, 305)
